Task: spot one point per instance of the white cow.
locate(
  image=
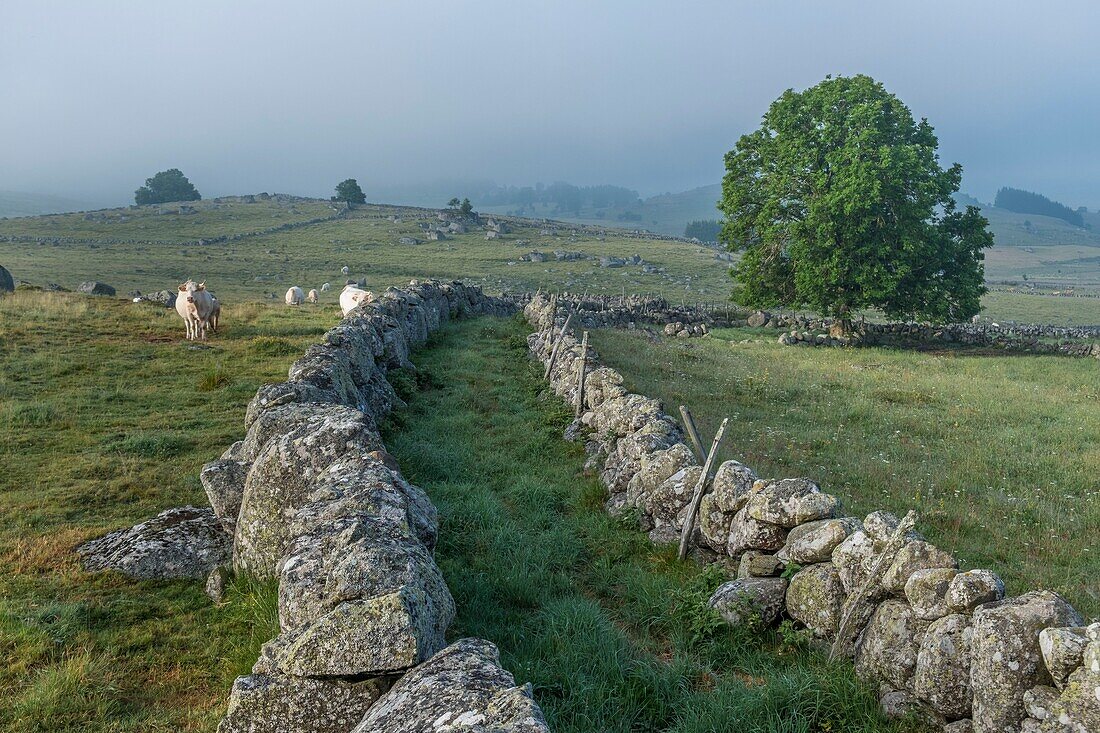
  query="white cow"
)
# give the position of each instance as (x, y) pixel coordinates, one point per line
(295, 296)
(352, 297)
(196, 306)
(311, 296)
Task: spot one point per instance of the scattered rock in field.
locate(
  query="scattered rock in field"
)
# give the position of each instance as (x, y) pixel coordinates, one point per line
(94, 287)
(7, 285)
(184, 542)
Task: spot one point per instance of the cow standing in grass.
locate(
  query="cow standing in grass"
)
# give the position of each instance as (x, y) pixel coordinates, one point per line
(311, 296)
(295, 296)
(196, 306)
(352, 297)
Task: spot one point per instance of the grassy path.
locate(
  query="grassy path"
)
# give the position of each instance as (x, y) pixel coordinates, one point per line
(612, 632)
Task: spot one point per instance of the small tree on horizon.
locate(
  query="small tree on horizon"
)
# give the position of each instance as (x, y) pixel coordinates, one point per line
(454, 203)
(839, 204)
(466, 208)
(169, 185)
(348, 190)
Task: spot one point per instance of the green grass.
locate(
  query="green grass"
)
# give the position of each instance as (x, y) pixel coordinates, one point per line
(105, 420)
(999, 454)
(611, 631)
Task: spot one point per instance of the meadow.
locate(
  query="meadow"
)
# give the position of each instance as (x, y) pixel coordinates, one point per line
(999, 454)
(106, 416)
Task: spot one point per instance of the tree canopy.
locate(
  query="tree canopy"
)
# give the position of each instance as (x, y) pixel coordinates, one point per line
(348, 190)
(839, 203)
(169, 185)
(705, 230)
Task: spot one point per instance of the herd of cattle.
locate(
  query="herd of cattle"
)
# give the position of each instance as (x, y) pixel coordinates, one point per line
(200, 310)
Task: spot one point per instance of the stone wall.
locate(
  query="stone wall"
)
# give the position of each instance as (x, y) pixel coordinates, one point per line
(940, 642)
(311, 498)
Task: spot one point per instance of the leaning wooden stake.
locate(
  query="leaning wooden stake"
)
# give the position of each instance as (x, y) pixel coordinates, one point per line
(557, 346)
(579, 407)
(697, 496)
(693, 433)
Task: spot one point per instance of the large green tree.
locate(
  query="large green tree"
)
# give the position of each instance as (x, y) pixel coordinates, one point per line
(348, 190)
(169, 185)
(839, 203)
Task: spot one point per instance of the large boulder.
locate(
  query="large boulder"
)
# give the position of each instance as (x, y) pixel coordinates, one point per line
(915, 555)
(816, 598)
(974, 588)
(750, 602)
(667, 502)
(731, 486)
(655, 469)
(94, 287)
(461, 688)
(942, 676)
(1006, 658)
(280, 479)
(184, 542)
(854, 559)
(926, 591)
(1077, 708)
(789, 502)
(814, 542)
(7, 284)
(888, 648)
(714, 524)
(275, 703)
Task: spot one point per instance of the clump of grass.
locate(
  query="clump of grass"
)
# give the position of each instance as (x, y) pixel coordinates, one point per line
(36, 414)
(65, 696)
(166, 444)
(213, 377)
(272, 346)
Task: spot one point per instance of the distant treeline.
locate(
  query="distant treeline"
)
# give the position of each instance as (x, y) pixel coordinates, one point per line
(705, 230)
(565, 197)
(1026, 202)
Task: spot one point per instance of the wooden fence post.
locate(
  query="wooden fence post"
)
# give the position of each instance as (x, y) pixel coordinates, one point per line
(697, 495)
(557, 346)
(693, 433)
(579, 408)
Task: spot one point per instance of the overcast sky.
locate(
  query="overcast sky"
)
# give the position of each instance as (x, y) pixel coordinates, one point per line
(293, 96)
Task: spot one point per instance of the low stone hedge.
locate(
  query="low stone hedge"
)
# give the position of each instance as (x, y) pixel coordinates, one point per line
(310, 497)
(941, 642)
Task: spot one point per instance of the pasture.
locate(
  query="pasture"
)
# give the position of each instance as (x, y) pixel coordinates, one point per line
(106, 417)
(999, 454)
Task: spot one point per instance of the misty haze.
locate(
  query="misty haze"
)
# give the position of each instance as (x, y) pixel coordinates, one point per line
(526, 367)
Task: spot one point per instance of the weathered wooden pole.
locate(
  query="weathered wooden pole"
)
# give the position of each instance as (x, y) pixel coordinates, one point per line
(697, 495)
(557, 346)
(693, 432)
(579, 408)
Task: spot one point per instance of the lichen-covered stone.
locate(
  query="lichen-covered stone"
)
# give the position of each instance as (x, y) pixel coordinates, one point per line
(216, 583)
(184, 542)
(668, 501)
(731, 486)
(854, 559)
(926, 591)
(281, 394)
(750, 602)
(714, 524)
(360, 558)
(790, 502)
(282, 475)
(1063, 650)
(223, 482)
(816, 598)
(1077, 708)
(880, 526)
(914, 555)
(814, 542)
(889, 645)
(1006, 660)
(1038, 701)
(261, 703)
(462, 688)
(756, 564)
(942, 675)
(747, 533)
(655, 469)
(959, 726)
(973, 588)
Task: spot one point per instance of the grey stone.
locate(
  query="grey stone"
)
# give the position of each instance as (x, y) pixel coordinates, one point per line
(914, 555)
(814, 542)
(959, 726)
(275, 703)
(1006, 659)
(1039, 700)
(223, 480)
(973, 588)
(731, 486)
(184, 542)
(854, 559)
(462, 687)
(758, 565)
(926, 591)
(1077, 708)
(888, 647)
(216, 582)
(1063, 650)
(7, 284)
(747, 533)
(942, 675)
(750, 602)
(94, 287)
(790, 502)
(816, 598)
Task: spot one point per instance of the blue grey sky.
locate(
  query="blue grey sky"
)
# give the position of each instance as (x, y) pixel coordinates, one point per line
(294, 96)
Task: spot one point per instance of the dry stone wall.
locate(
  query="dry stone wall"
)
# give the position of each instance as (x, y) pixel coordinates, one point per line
(311, 498)
(939, 641)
